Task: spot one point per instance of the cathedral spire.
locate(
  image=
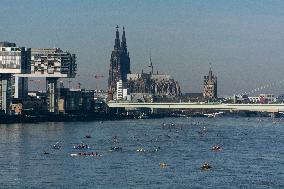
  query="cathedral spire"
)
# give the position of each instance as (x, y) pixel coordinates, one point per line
(210, 71)
(123, 41)
(151, 64)
(117, 40)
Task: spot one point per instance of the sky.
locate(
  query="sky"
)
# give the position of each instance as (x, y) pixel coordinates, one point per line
(242, 39)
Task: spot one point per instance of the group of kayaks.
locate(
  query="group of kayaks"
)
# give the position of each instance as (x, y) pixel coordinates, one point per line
(216, 148)
(56, 146)
(115, 148)
(81, 146)
(206, 166)
(94, 154)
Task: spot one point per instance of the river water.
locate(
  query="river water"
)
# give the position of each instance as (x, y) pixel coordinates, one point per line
(252, 154)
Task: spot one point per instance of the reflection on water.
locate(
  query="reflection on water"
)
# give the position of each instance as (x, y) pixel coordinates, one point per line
(145, 154)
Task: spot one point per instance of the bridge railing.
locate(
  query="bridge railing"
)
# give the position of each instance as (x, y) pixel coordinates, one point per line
(183, 105)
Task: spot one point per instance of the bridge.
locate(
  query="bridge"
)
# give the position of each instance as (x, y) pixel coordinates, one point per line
(201, 106)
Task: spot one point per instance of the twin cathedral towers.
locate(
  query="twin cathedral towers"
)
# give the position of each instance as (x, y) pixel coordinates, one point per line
(119, 62)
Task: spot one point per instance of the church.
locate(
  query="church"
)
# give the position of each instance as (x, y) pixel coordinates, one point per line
(151, 83)
(210, 86)
(119, 62)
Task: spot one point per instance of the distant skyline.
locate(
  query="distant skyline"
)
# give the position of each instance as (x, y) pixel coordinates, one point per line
(244, 40)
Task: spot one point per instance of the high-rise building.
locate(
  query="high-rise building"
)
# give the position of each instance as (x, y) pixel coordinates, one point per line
(119, 62)
(17, 64)
(210, 86)
(52, 63)
(121, 90)
(13, 62)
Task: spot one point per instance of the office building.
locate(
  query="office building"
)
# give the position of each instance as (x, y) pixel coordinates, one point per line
(52, 64)
(121, 90)
(14, 61)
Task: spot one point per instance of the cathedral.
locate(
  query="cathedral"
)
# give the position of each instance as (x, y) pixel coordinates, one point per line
(156, 84)
(142, 83)
(119, 62)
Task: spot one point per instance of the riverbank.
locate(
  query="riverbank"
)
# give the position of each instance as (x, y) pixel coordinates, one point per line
(8, 119)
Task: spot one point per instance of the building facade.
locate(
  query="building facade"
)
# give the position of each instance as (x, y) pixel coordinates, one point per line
(267, 98)
(120, 85)
(119, 63)
(75, 101)
(155, 84)
(210, 86)
(13, 62)
(121, 90)
(52, 64)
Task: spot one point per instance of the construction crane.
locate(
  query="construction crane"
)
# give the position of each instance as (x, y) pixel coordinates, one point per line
(78, 83)
(97, 78)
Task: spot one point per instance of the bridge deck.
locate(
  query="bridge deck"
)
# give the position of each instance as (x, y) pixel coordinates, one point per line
(233, 107)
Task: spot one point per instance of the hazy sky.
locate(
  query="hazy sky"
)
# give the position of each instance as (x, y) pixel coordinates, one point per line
(244, 40)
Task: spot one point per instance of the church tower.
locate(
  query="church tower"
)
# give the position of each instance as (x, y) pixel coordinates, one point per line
(210, 86)
(119, 62)
(124, 58)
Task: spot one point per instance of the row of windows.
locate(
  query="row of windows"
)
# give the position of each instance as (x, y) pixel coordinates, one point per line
(7, 62)
(11, 49)
(10, 66)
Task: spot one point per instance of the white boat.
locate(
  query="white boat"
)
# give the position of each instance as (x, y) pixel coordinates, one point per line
(213, 114)
(86, 154)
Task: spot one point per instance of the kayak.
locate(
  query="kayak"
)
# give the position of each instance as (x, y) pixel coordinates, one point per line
(116, 148)
(93, 155)
(81, 147)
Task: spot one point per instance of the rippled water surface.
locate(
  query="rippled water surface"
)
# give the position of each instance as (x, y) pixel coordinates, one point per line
(252, 154)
